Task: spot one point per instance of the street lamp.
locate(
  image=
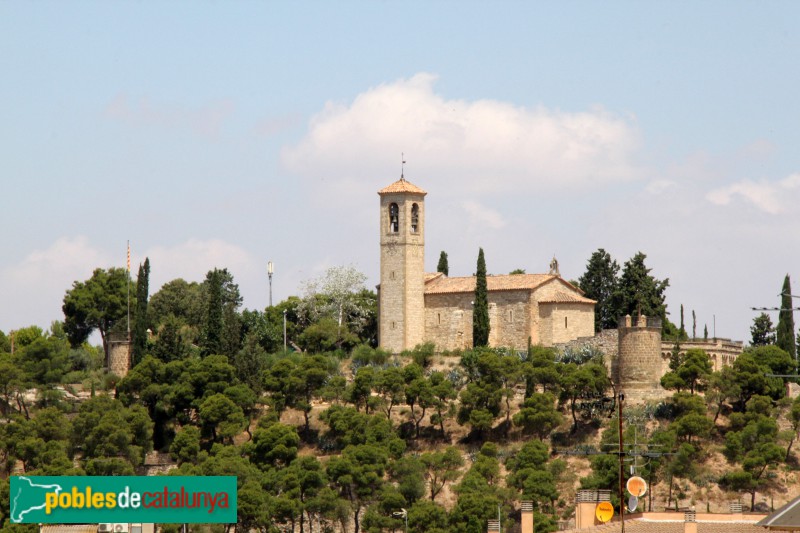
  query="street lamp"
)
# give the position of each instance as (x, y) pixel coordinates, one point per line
(402, 513)
(270, 270)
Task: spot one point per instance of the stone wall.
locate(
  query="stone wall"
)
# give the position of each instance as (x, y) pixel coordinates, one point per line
(548, 324)
(606, 341)
(722, 352)
(514, 316)
(562, 322)
(448, 320)
(157, 463)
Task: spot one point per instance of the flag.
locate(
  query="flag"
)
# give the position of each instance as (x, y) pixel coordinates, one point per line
(129, 257)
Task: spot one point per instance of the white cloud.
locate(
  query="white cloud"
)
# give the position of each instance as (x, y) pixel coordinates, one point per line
(660, 186)
(487, 145)
(192, 259)
(37, 284)
(484, 216)
(770, 197)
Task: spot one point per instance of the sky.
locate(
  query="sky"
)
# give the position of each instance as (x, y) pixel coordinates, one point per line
(228, 134)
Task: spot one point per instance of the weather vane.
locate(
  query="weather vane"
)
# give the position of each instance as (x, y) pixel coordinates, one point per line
(402, 163)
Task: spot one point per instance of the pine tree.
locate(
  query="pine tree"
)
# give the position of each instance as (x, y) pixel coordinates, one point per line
(442, 266)
(599, 282)
(480, 310)
(785, 332)
(762, 331)
(140, 325)
(639, 291)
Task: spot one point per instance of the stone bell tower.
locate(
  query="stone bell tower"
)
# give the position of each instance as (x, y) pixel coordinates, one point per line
(401, 301)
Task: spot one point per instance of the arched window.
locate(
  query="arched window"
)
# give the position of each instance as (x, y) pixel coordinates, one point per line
(414, 218)
(394, 218)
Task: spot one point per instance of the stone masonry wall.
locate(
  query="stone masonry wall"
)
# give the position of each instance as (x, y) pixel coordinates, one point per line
(722, 352)
(547, 319)
(607, 341)
(566, 321)
(448, 320)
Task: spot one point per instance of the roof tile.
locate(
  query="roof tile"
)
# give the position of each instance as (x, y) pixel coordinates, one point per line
(566, 298)
(402, 185)
(506, 282)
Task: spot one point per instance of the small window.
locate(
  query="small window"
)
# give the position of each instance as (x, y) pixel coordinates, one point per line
(438, 318)
(394, 218)
(414, 218)
(393, 324)
(565, 322)
(511, 316)
(391, 276)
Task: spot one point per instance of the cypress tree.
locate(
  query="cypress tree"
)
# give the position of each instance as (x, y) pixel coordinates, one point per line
(682, 331)
(785, 331)
(480, 310)
(442, 266)
(140, 325)
(212, 329)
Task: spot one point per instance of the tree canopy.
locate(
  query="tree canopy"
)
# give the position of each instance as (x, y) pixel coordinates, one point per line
(98, 303)
(600, 283)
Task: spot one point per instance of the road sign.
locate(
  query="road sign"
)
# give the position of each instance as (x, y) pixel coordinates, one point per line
(604, 511)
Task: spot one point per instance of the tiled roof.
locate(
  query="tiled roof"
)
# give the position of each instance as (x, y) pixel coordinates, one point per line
(430, 276)
(652, 526)
(508, 282)
(69, 528)
(402, 185)
(566, 298)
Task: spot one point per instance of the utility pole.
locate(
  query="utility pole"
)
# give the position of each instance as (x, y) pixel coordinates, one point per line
(284, 330)
(620, 398)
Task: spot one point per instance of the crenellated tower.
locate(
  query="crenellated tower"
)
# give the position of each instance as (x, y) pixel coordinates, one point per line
(401, 300)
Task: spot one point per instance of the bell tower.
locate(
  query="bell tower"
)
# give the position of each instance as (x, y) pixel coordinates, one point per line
(401, 301)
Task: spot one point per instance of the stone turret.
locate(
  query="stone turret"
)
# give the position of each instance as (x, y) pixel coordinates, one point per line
(119, 355)
(638, 367)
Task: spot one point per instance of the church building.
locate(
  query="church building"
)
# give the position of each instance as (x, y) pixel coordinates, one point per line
(417, 307)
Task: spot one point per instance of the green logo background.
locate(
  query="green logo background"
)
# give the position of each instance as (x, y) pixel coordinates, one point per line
(27, 499)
